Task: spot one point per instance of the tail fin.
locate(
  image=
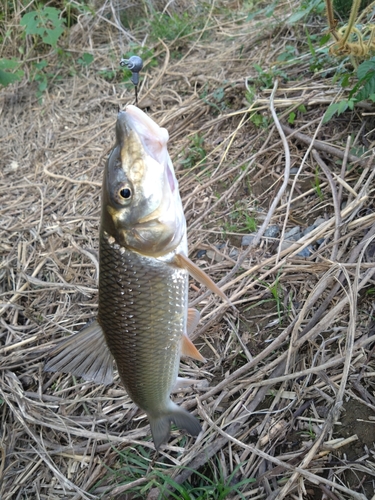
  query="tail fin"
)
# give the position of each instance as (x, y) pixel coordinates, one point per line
(161, 426)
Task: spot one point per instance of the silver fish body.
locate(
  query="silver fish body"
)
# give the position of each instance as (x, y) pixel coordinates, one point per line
(143, 319)
(142, 310)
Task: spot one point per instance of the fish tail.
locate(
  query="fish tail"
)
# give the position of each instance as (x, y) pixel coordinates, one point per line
(161, 426)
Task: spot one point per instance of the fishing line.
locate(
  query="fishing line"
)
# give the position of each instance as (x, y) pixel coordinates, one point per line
(135, 64)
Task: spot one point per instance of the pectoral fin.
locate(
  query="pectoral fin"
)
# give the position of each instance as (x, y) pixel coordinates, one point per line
(184, 262)
(85, 355)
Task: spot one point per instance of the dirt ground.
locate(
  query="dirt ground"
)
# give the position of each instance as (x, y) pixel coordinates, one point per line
(287, 399)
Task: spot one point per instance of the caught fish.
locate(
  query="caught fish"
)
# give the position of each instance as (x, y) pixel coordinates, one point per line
(143, 318)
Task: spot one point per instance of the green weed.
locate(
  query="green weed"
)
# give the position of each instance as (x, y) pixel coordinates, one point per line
(203, 487)
(86, 59)
(240, 221)
(362, 90)
(317, 187)
(319, 57)
(305, 9)
(292, 116)
(45, 26)
(131, 464)
(277, 293)
(215, 99)
(264, 80)
(10, 71)
(309, 433)
(259, 120)
(44, 22)
(195, 153)
(134, 463)
(175, 26)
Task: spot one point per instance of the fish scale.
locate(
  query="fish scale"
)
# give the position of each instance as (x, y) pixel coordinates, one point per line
(143, 332)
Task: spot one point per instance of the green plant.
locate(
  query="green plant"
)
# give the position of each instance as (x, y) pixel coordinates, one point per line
(265, 78)
(86, 59)
(288, 54)
(362, 90)
(195, 153)
(240, 221)
(41, 77)
(266, 11)
(133, 463)
(319, 58)
(216, 487)
(317, 187)
(308, 432)
(277, 295)
(215, 99)
(174, 26)
(292, 115)
(10, 72)
(46, 23)
(259, 120)
(306, 8)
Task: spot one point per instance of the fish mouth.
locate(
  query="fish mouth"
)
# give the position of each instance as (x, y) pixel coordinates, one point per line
(138, 134)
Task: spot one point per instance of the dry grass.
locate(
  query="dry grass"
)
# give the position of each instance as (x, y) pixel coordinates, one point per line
(285, 365)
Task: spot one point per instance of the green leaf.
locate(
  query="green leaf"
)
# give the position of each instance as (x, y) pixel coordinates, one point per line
(367, 89)
(345, 81)
(218, 94)
(365, 67)
(44, 22)
(296, 16)
(331, 110)
(342, 106)
(291, 118)
(325, 38)
(6, 77)
(8, 64)
(85, 59)
(268, 11)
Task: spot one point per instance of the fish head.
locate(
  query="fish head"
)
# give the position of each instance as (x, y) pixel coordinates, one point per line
(141, 204)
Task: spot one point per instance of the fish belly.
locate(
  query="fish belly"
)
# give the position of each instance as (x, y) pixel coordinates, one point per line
(142, 310)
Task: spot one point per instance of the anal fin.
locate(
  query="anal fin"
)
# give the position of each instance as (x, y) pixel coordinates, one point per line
(84, 354)
(189, 349)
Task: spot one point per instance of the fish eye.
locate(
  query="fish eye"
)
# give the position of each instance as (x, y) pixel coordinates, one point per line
(125, 193)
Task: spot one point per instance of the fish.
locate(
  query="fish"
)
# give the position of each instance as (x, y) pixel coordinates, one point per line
(143, 321)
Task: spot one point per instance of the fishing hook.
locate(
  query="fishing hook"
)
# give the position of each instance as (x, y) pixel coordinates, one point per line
(135, 64)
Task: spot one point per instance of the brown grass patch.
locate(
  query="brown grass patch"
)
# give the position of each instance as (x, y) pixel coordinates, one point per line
(297, 355)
